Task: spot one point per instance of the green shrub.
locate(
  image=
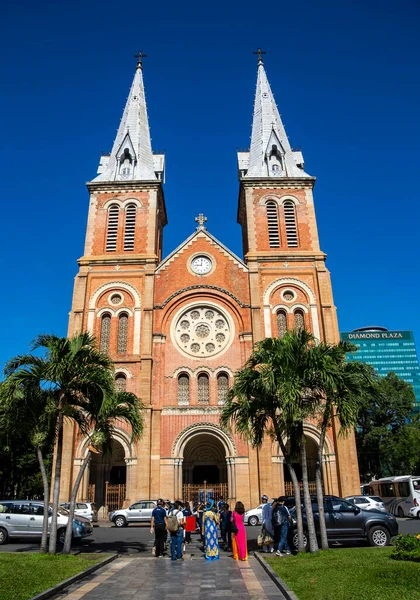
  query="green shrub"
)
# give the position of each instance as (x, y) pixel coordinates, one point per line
(407, 547)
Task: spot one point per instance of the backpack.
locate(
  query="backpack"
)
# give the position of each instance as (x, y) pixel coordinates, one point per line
(173, 523)
(277, 517)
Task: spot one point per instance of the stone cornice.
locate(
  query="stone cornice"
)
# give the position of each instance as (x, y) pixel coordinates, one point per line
(191, 410)
(125, 186)
(278, 257)
(118, 259)
(278, 183)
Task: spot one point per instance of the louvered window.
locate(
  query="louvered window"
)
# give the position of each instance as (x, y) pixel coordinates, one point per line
(299, 320)
(203, 389)
(130, 227)
(273, 225)
(122, 333)
(105, 333)
(120, 382)
(112, 232)
(290, 221)
(183, 389)
(222, 388)
(281, 323)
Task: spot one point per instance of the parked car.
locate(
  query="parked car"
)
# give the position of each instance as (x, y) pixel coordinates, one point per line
(347, 522)
(415, 512)
(139, 512)
(24, 518)
(84, 509)
(253, 516)
(367, 502)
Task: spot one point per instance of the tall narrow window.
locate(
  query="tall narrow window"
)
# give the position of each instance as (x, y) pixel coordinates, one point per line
(281, 323)
(130, 227)
(183, 389)
(203, 389)
(120, 382)
(112, 231)
(273, 224)
(299, 320)
(290, 221)
(222, 388)
(105, 333)
(122, 333)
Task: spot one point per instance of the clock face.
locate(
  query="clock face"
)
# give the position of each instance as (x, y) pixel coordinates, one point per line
(201, 265)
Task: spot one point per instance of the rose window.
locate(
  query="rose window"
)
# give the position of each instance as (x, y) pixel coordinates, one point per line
(202, 331)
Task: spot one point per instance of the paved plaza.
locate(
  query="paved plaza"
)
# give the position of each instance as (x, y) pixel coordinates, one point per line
(160, 578)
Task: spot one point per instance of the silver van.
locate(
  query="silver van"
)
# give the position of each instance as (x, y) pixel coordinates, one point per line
(139, 512)
(24, 518)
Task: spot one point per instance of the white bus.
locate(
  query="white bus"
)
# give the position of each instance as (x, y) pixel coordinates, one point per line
(398, 493)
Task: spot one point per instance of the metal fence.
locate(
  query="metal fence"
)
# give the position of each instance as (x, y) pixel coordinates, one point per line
(288, 488)
(203, 492)
(114, 496)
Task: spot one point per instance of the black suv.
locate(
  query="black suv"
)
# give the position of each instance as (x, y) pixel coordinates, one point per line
(346, 522)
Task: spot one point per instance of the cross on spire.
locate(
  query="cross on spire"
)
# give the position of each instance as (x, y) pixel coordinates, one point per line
(140, 57)
(201, 219)
(260, 53)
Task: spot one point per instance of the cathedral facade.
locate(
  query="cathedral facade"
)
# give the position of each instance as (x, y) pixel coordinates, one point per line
(177, 328)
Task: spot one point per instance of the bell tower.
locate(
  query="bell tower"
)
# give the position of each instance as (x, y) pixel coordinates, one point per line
(290, 286)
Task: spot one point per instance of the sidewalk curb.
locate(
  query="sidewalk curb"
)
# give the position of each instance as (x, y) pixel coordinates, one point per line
(74, 579)
(285, 590)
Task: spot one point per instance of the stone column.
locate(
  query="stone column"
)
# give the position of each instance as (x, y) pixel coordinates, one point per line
(130, 494)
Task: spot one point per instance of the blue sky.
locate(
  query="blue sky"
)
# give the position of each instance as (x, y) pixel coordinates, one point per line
(345, 76)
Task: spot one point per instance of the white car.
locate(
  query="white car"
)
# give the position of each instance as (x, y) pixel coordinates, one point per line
(253, 516)
(139, 512)
(415, 512)
(367, 502)
(84, 509)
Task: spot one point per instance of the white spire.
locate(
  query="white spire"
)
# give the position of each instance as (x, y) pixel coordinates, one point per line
(270, 154)
(131, 157)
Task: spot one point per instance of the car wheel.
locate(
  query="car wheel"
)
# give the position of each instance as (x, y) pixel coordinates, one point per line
(418, 514)
(400, 512)
(253, 521)
(295, 540)
(3, 536)
(120, 522)
(378, 536)
(61, 536)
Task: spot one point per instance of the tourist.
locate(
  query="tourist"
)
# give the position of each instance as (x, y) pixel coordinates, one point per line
(187, 513)
(176, 528)
(225, 527)
(282, 519)
(220, 505)
(209, 531)
(267, 531)
(239, 546)
(158, 526)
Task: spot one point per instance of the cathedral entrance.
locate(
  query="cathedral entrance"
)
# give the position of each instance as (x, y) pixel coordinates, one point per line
(108, 478)
(204, 469)
(311, 458)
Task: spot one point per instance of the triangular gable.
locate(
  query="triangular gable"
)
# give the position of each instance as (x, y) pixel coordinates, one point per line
(187, 243)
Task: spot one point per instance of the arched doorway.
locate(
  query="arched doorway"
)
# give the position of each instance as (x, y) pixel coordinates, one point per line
(108, 478)
(311, 458)
(204, 463)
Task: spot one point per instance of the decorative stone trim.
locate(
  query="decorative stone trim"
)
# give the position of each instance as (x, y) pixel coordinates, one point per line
(201, 287)
(210, 428)
(191, 410)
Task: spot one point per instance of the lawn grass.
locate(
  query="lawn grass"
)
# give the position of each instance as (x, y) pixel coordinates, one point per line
(24, 575)
(349, 574)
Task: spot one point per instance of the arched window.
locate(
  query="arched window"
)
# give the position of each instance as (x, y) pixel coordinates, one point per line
(290, 221)
(112, 231)
(183, 389)
(222, 388)
(299, 320)
(203, 389)
(125, 164)
(120, 382)
(273, 224)
(130, 226)
(281, 323)
(122, 333)
(105, 333)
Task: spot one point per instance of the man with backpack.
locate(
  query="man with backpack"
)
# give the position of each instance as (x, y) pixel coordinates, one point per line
(176, 521)
(281, 520)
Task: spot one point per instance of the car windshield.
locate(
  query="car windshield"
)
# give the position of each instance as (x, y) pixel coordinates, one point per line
(376, 498)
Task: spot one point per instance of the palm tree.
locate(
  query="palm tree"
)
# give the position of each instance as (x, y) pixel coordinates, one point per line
(102, 417)
(70, 370)
(272, 394)
(26, 409)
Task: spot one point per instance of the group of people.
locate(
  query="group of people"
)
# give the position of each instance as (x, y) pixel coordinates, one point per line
(276, 520)
(172, 519)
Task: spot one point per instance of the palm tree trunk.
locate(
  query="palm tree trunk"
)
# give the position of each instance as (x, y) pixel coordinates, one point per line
(319, 490)
(296, 489)
(69, 530)
(56, 489)
(44, 538)
(313, 543)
